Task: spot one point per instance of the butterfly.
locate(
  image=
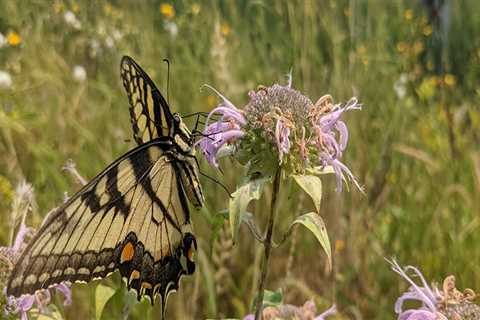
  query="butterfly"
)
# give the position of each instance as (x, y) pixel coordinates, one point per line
(132, 217)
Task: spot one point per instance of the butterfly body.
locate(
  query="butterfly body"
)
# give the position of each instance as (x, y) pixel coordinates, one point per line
(132, 217)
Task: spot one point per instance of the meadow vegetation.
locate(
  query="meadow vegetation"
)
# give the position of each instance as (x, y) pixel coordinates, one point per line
(414, 147)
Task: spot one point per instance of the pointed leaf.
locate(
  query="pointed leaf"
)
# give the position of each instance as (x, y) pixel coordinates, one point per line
(313, 222)
(239, 201)
(312, 185)
(102, 295)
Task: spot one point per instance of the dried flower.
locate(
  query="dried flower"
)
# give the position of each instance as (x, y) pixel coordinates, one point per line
(281, 126)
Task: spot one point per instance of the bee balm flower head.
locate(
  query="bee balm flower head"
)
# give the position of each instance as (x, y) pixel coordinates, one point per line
(280, 126)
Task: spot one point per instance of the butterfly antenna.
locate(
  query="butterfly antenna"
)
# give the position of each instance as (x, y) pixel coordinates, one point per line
(217, 182)
(168, 79)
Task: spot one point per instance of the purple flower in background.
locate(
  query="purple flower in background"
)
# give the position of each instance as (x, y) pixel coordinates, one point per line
(41, 298)
(424, 294)
(226, 130)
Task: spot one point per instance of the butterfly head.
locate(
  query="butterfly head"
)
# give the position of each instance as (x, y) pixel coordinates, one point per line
(182, 129)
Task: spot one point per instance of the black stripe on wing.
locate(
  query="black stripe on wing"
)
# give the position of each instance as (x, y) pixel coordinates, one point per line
(79, 244)
(149, 112)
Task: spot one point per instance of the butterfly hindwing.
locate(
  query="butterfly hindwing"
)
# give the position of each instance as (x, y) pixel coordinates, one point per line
(149, 112)
(132, 217)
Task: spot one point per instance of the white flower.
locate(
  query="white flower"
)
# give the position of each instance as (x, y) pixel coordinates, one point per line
(72, 20)
(109, 43)
(5, 79)
(171, 28)
(117, 34)
(94, 47)
(79, 73)
(3, 40)
(400, 86)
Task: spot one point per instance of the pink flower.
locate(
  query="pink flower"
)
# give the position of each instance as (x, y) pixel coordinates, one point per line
(226, 130)
(424, 294)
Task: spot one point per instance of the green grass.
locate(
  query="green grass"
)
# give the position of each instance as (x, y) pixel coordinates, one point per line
(417, 156)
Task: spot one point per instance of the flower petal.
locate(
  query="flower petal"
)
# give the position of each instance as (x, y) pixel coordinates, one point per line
(64, 288)
(329, 312)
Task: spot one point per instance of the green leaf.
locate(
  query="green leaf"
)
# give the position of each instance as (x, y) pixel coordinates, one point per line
(313, 222)
(239, 201)
(312, 185)
(272, 298)
(102, 295)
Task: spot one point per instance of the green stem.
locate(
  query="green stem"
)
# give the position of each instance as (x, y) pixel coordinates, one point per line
(267, 244)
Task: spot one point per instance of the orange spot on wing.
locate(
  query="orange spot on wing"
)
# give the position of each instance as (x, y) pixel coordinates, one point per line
(127, 253)
(146, 285)
(190, 254)
(135, 275)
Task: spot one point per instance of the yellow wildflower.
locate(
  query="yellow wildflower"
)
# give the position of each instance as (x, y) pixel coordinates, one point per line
(450, 80)
(13, 38)
(195, 8)
(75, 7)
(427, 30)
(408, 14)
(347, 12)
(167, 10)
(225, 29)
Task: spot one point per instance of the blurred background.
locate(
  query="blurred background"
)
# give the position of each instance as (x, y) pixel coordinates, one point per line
(414, 65)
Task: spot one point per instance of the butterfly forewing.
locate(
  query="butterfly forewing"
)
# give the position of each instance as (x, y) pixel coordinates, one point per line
(132, 217)
(149, 112)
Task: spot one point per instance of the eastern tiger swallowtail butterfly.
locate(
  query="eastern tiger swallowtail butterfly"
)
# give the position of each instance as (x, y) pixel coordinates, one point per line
(132, 217)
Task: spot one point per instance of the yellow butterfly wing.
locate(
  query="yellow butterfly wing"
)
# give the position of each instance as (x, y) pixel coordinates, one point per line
(133, 217)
